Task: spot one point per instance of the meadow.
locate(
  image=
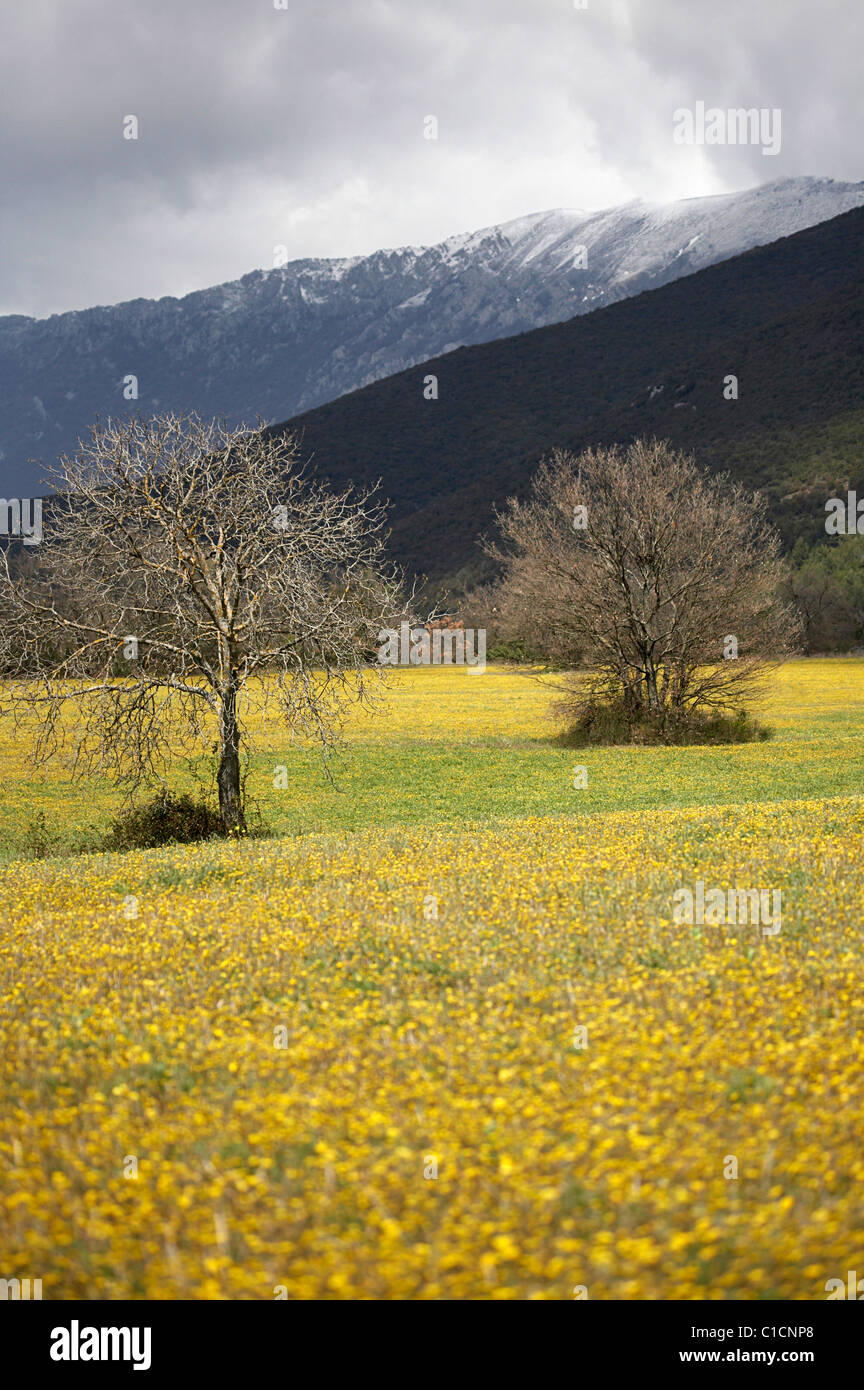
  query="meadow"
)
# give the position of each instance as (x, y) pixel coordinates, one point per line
(446, 746)
(440, 1036)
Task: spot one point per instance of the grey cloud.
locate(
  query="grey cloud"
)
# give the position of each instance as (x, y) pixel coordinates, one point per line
(304, 127)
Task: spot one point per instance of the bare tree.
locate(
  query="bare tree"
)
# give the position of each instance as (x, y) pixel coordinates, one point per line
(182, 560)
(657, 577)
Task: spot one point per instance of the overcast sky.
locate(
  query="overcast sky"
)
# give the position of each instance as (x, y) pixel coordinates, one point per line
(304, 127)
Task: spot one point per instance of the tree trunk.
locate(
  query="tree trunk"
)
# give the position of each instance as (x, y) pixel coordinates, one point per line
(651, 685)
(228, 777)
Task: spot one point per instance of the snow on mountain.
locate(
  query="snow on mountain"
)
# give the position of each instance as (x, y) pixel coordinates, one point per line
(281, 341)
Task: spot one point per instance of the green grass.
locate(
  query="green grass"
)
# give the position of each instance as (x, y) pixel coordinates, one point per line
(453, 749)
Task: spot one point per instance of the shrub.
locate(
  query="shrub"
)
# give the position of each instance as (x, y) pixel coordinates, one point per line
(166, 819)
(517, 652)
(594, 721)
(38, 839)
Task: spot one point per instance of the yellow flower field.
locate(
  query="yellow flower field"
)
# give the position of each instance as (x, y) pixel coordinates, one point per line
(350, 1064)
(444, 745)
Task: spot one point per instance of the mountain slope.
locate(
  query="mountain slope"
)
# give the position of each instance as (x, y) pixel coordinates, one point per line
(281, 341)
(787, 319)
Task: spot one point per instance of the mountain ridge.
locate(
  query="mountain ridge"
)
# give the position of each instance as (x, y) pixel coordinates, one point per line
(787, 319)
(279, 342)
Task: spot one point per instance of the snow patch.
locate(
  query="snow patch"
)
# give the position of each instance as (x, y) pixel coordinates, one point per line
(416, 300)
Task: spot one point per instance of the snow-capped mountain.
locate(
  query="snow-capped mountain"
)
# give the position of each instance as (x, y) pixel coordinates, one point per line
(277, 342)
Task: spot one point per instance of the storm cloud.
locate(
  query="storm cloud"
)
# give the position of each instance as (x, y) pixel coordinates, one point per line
(303, 127)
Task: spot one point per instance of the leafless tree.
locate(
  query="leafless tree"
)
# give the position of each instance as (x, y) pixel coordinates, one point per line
(182, 560)
(659, 578)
